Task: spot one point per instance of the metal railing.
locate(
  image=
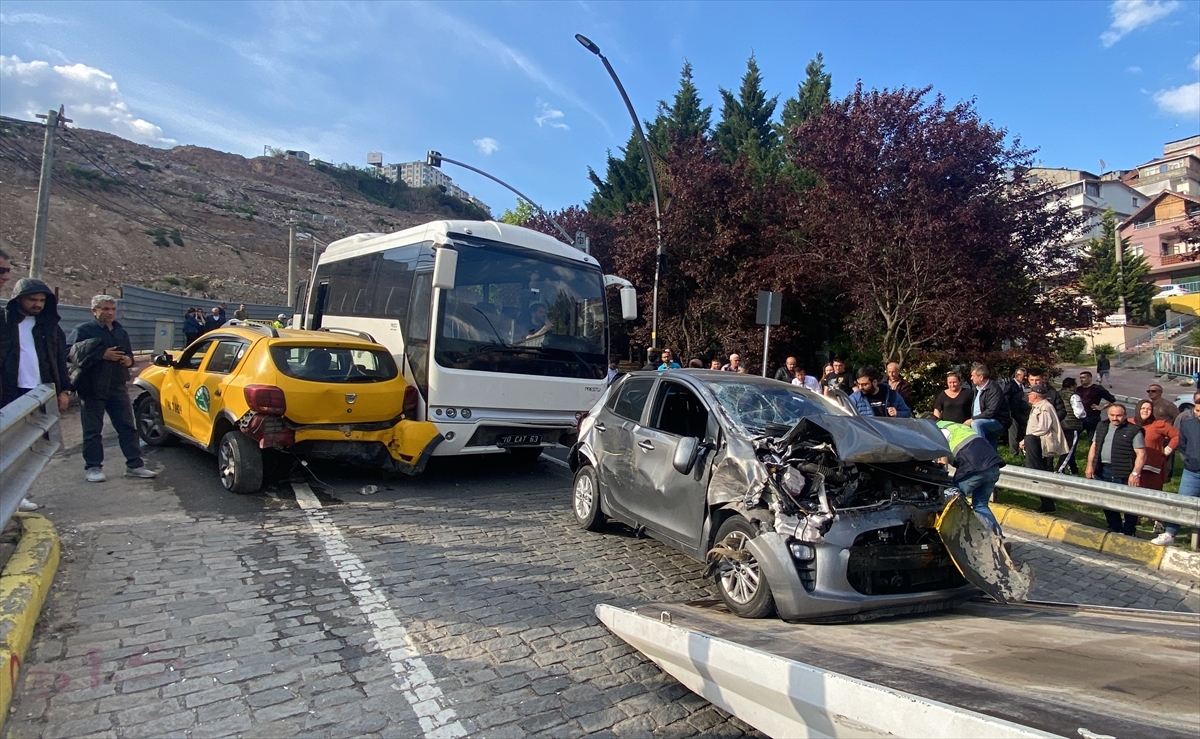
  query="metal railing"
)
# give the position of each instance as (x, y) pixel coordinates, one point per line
(1168, 507)
(1145, 341)
(29, 436)
(1176, 363)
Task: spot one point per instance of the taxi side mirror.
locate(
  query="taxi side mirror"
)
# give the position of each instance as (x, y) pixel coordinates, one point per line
(163, 360)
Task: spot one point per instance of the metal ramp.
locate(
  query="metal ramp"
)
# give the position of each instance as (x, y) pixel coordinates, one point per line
(982, 670)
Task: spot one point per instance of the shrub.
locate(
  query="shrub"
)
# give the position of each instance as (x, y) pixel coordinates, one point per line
(172, 280)
(159, 235)
(197, 283)
(176, 237)
(1070, 348)
(1105, 350)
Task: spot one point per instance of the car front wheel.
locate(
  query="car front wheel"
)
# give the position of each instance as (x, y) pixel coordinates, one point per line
(239, 463)
(147, 414)
(585, 499)
(739, 578)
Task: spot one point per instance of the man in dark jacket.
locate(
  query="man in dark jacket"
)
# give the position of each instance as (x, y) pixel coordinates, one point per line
(1092, 396)
(34, 350)
(1016, 393)
(989, 411)
(1117, 455)
(216, 319)
(787, 371)
(102, 356)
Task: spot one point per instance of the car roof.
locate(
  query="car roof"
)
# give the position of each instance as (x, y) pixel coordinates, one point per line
(295, 336)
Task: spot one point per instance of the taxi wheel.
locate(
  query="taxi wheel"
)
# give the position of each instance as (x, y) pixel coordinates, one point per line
(740, 579)
(239, 463)
(147, 416)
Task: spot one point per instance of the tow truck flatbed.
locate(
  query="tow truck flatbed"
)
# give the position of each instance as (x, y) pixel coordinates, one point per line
(982, 669)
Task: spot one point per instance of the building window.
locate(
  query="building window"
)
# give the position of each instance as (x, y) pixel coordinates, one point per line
(1135, 203)
(1135, 250)
(1093, 189)
(1162, 169)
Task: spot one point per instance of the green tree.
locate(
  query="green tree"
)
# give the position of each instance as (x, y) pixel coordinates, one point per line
(1105, 281)
(811, 97)
(625, 181)
(745, 128)
(519, 215)
(683, 119)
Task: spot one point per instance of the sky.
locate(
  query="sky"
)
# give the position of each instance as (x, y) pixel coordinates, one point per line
(505, 87)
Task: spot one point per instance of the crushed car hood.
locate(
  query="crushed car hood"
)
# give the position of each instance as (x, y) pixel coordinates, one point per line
(880, 440)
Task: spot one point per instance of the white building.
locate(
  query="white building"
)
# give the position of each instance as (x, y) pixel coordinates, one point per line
(1177, 170)
(1089, 196)
(420, 174)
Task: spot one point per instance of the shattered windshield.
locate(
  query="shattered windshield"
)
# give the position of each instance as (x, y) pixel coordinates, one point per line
(769, 407)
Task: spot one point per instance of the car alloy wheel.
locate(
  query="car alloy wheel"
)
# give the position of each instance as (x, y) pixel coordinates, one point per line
(585, 499)
(149, 420)
(742, 579)
(239, 463)
(739, 577)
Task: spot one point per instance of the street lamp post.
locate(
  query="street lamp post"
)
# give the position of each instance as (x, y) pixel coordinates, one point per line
(435, 159)
(660, 253)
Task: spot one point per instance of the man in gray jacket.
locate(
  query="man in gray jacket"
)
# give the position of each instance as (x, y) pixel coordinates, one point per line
(101, 355)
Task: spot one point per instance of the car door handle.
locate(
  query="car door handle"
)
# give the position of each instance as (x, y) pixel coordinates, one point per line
(599, 427)
(646, 444)
(217, 391)
(187, 384)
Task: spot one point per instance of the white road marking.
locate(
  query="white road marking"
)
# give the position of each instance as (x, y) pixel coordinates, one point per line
(416, 683)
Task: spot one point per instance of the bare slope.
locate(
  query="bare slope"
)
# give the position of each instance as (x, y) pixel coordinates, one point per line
(189, 220)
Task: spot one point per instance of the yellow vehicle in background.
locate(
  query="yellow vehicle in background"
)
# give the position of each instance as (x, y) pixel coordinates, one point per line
(256, 395)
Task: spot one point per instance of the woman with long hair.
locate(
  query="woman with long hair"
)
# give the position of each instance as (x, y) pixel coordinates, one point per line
(1161, 439)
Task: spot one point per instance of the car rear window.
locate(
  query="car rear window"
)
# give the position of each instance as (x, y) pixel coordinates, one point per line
(334, 364)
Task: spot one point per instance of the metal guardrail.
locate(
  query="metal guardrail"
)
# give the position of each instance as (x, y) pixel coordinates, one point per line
(29, 436)
(1176, 363)
(1155, 504)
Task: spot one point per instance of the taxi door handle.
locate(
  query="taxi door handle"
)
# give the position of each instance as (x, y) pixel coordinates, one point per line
(599, 427)
(187, 384)
(217, 391)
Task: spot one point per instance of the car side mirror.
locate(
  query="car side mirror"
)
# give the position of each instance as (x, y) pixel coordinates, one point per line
(685, 455)
(163, 360)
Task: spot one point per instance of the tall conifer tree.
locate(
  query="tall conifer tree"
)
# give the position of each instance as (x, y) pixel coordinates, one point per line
(745, 128)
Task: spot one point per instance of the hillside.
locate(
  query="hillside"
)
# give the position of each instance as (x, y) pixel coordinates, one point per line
(188, 220)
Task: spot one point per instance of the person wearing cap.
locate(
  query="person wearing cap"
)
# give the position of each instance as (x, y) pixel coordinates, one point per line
(280, 321)
(1044, 439)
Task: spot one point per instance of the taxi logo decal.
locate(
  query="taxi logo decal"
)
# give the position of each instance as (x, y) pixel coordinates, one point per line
(351, 397)
(202, 398)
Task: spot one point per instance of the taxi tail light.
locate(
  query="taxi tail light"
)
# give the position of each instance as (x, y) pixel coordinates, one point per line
(266, 399)
(410, 402)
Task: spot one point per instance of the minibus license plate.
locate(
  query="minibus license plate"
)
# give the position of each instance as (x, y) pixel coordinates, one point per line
(511, 439)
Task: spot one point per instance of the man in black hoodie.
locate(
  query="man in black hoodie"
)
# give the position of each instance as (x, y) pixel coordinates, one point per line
(101, 355)
(34, 349)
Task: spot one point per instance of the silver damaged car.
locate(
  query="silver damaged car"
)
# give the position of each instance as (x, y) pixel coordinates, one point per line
(800, 507)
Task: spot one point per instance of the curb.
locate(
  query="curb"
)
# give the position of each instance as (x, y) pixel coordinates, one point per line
(24, 585)
(1165, 559)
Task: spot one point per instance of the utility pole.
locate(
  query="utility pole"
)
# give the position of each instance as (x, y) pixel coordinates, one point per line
(291, 288)
(37, 254)
(1120, 265)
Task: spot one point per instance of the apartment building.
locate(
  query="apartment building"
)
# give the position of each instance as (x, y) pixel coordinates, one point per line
(420, 174)
(1177, 170)
(1160, 231)
(1089, 195)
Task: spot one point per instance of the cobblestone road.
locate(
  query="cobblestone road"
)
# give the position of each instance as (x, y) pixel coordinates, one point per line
(181, 610)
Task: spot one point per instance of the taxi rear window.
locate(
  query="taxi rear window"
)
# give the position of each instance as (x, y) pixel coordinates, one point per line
(334, 364)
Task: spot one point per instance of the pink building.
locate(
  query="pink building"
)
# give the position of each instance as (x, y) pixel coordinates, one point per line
(1158, 230)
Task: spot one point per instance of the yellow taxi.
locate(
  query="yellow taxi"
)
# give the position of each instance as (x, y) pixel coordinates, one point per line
(258, 396)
